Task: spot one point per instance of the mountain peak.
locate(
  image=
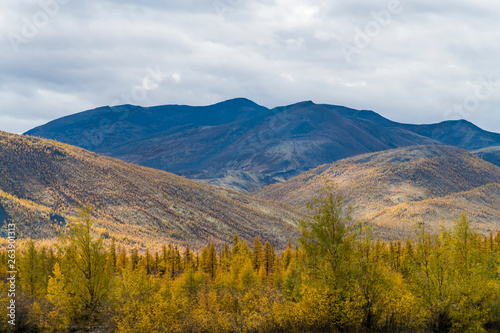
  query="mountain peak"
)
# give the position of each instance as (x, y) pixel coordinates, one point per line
(238, 103)
(303, 104)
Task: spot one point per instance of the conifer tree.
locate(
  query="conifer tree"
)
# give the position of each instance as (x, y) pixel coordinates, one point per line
(134, 258)
(212, 260)
(122, 260)
(236, 245)
(245, 250)
(31, 271)
(257, 255)
(59, 316)
(112, 256)
(268, 258)
(188, 256)
(287, 257)
(156, 262)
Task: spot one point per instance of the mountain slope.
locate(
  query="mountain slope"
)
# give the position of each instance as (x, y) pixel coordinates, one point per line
(375, 184)
(241, 145)
(490, 154)
(481, 204)
(133, 203)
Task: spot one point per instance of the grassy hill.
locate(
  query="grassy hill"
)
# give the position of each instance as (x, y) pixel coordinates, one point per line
(396, 188)
(43, 183)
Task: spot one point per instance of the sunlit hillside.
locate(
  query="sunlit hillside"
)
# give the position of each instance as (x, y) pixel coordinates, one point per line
(396, 188)
(43, 182)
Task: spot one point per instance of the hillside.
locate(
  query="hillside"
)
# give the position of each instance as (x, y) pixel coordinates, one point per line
(243, 146)
(482, 206)
(397, 187)
(490, 154)
(44, 182)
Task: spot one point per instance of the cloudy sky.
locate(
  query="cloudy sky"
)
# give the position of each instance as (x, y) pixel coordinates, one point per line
(416, 61)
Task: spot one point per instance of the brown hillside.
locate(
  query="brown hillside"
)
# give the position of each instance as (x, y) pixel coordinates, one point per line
(482, 206)
(375, 183)
(135, 204)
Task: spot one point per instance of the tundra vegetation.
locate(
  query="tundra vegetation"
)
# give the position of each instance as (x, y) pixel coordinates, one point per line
(336, 278)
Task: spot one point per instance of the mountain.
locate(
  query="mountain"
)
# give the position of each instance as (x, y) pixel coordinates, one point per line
(43, 183)
(395, 188)
(243, 146)
(490, 154)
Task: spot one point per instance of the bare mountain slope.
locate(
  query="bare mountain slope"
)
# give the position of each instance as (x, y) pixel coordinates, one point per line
(241, 145)
(376, 184)
(482, 206)
(133, 203)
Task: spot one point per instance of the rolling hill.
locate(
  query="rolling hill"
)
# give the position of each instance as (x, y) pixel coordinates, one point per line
(243, 146)
(43, 183)
(394, 189)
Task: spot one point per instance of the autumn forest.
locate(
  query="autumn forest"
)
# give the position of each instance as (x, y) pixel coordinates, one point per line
(334, 278)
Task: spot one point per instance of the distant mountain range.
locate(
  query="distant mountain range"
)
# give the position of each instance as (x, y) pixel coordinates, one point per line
(396, 188)
(243, 146)
(392, 174)
(43, 183)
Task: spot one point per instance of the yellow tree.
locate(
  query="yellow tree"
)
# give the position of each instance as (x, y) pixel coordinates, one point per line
(59, 316)
(32, 277)
(268, 258)
(257, 253)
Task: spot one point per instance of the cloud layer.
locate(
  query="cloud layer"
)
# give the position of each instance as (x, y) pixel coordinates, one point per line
(411, 61)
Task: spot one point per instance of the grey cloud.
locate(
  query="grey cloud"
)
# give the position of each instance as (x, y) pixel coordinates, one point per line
(418, 67)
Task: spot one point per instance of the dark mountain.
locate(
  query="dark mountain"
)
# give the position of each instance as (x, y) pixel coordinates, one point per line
(490, 154)
(396, 188)
(241, 145)
(43, 183)
(460, 133)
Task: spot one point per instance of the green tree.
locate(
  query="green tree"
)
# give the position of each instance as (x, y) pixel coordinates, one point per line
(476, 288)
(432, 278)
(328, 239)
(328, 236)
(372, 280)
(85, 260)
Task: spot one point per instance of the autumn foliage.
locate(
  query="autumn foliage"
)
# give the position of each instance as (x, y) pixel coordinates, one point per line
(336, 278)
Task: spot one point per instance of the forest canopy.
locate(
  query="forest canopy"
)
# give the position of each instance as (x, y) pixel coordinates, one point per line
(335, 277)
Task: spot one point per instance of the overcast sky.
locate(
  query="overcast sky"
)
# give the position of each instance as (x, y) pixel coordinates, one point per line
(414, 61)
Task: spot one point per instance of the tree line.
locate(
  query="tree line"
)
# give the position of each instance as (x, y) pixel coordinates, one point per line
(336, 278)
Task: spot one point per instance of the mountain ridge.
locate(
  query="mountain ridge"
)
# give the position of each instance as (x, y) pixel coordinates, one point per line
(244, 146)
